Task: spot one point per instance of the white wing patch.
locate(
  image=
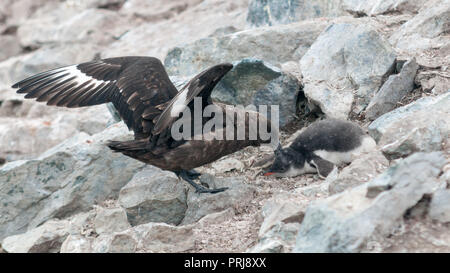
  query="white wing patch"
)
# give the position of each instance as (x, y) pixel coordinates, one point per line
(179, 105)
(80, 76)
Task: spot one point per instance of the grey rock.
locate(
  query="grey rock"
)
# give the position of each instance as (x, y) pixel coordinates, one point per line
(426, 30)
(199, 205)
(435, 84)
(63, 181)
(199, 20)
(292, 42)
(46, 238)
(268, 246)
(345, 222)
(279, 239)
(254, 82)
(118, 242)
(393, 90)
(19, 11)
(157, 10)
(113, 111)
(376, 7)
(419, 126)
(17, 68)
(109, 220)
(245, 79)
(391, 177)
(3, 11)
(360, 171)
(10, 46)
(160, 237)
(154, 195)
(75, 243)
(274, 12)
(30, 128)
(215, 218)
(318, 189)
(83, 223)
(282, 215)
(222, 31)
(379, 185)
(293, 68)
(14, 106)
(227, 165)
(102, 229)
(283, 92)
(151, 237)
(440, 206)
(98, 26)
(180, 81)
(282, 207)
(346, 65)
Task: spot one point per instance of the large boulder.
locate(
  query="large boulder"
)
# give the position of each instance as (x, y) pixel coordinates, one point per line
(345, 222)
(36, 127)
(46, 238)
(64, 180)
(18, 11)
(156, 10)
(275, 12)
(151, 237)
(346, 64)
(253, 82)
(41, 127)
(93, 25)
(292, 42)
(279, 239)
(161, 237)
(282, 215)
(154, 195)
(427, 29)
(393, 90)
(360, 171)
(155, 38)
(377, 7)
(420, 126)
(109, 220)
(282, 207)
(200, 205)
(10, 46)
(118, 242)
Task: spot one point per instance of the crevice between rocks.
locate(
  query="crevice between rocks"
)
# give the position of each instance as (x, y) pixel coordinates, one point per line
(10, 30)
(115, 6)
(419, 210)
(306, 113)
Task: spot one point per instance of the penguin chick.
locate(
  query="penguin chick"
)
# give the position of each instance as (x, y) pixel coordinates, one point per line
(320, 147)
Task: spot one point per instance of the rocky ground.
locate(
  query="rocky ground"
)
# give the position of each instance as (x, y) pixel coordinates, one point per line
(382, 64)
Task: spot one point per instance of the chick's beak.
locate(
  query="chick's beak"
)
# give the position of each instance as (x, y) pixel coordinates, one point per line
(269, 173)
